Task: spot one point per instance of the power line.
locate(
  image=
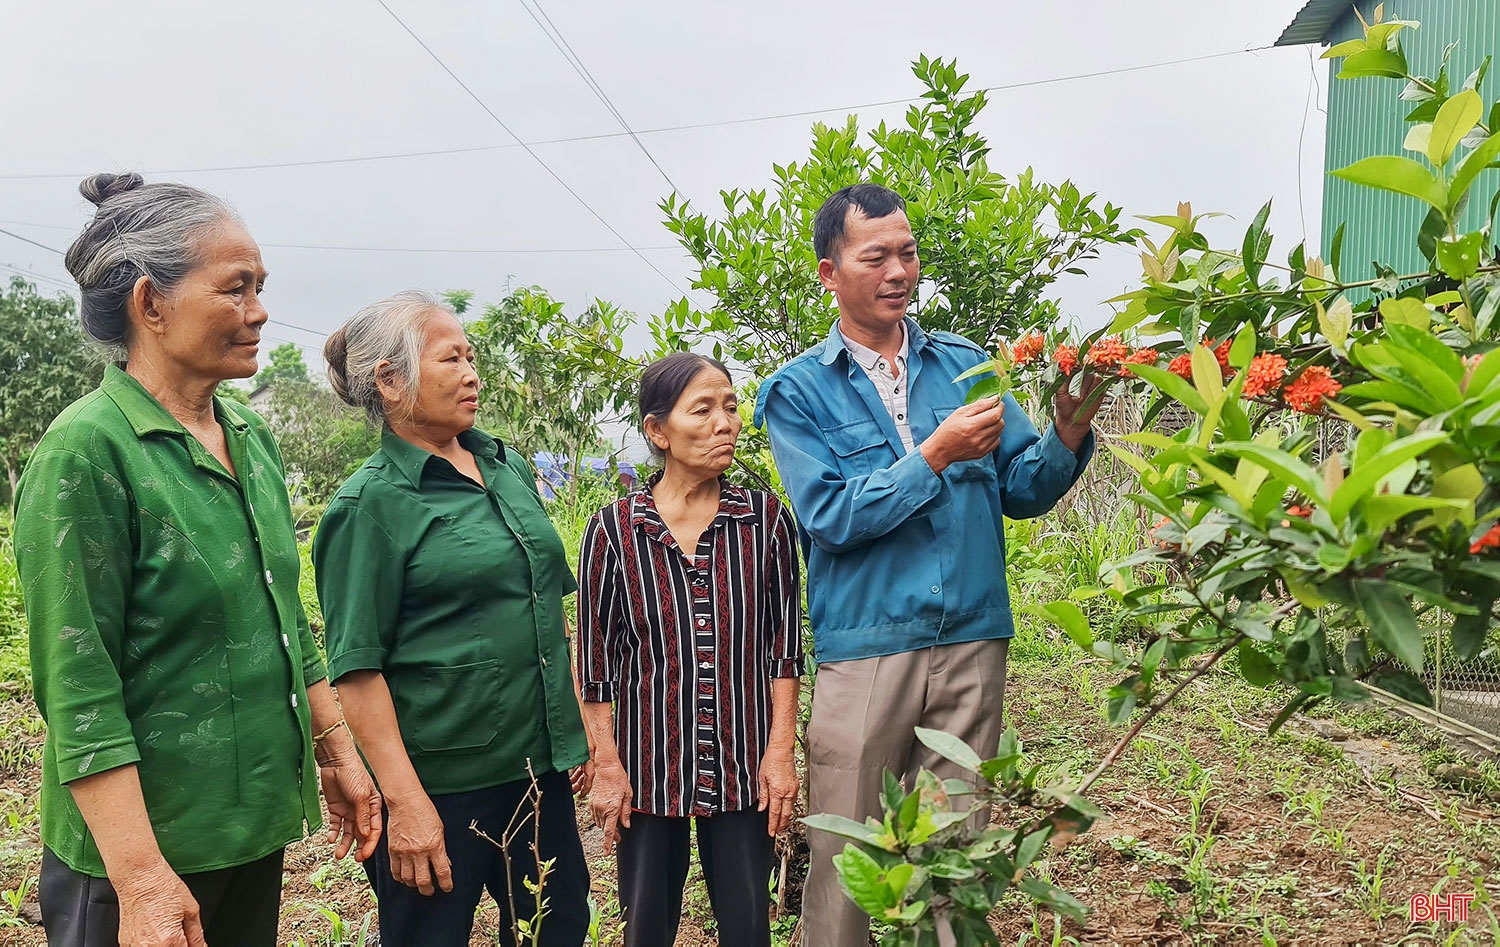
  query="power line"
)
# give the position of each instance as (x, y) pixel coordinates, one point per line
(31, 241)
(563, 46)
(28, 274)
(529, 150)
(360, 249)
(691, 126)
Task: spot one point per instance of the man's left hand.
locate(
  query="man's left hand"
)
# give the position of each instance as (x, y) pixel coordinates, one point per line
(1074, 414)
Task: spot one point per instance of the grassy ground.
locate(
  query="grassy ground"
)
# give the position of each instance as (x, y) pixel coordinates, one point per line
(1216, 833)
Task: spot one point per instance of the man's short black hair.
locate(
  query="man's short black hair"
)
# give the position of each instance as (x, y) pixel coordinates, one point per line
(871, 199)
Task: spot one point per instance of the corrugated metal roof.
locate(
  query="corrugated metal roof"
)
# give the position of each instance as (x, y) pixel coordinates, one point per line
(1313, 22)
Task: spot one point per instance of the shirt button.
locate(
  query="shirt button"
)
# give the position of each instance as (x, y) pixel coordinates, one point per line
(294, 699)
(703, 623)
(268, 576)
(900, 417)
(935, 590)
(285, 641)
(544, 662)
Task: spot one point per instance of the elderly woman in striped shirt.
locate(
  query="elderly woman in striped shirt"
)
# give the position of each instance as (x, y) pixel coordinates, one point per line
(689, 613)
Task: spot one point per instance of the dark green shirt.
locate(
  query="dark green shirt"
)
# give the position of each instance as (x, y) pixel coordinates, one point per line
(166, 629)
(454, 592)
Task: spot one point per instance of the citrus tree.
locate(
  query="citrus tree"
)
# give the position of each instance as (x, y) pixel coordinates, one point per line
(1325, 571)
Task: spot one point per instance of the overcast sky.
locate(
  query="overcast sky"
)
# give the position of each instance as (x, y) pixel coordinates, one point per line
(170, 87)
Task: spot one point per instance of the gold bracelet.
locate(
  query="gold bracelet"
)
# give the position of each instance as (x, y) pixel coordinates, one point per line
(340, 722)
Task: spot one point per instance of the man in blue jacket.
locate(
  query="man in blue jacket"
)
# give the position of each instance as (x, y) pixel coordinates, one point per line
(899, 489)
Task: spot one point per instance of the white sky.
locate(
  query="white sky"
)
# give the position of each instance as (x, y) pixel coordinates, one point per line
(167, 85)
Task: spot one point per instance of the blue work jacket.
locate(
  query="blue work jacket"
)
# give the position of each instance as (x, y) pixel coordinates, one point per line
(898, 557)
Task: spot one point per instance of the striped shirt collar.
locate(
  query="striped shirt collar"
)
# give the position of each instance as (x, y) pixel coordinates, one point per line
(734, 504)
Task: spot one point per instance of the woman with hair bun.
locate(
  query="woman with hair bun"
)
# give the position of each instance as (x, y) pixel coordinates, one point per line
(189, 718)
(442, 584)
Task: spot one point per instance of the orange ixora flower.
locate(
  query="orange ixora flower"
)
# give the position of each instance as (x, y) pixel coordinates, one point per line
(1027, 348)
(1306, 394)
(1182, 365)
(1066, 358)
(1138, 357)
(1489, 540)
(1107, 351)
(1221, 353)
(1264, 375)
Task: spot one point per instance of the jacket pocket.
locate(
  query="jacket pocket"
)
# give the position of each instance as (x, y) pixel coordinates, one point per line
(447, 709)
(861, 447)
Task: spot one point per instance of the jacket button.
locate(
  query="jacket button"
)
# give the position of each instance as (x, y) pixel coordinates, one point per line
(935, 590)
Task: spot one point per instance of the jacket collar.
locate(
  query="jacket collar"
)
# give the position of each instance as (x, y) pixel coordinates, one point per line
(412, 460)
(147, 415)
(916, 340)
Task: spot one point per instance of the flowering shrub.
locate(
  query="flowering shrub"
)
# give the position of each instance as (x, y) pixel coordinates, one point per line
(1393, 539)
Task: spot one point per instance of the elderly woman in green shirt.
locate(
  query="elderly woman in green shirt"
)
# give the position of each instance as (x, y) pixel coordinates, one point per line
(442, 585)
(187, 706)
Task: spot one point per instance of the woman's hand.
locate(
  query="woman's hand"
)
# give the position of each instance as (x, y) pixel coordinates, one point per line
(779, 786)
(582, 778)
(353, 807)
(157, 910)
(609, 800)
(415, 840)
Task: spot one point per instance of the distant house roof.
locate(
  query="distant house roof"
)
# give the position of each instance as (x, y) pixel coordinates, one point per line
(1313, 22)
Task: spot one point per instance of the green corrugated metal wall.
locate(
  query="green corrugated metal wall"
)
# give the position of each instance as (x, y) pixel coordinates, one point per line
(1365, 117)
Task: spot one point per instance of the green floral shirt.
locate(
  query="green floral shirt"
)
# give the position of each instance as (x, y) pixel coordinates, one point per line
(166, 629)
(454, 591)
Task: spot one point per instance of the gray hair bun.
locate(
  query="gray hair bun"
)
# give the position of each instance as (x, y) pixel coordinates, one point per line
(99, 188)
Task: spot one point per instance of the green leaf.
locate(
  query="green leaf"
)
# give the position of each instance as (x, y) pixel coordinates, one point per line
(1404, 685)
(1455, 119)
(1279, 462)
(1424, 344)
(1256, 668)
(843, 827)
(1385, 509)
(950, 748)
(1347, 48)
(1172, 386)
(1469, 169)
(1485, 372)
(1374, 62)
(1054, 897)
(1401, 175)
(1243, 349)
(1405, 311)
(1253, 251)
(1418, 138)
(862, 878)
(1362, 480)
(1335, 322)
(1070, 618)
(1391, 620)
(1460, 258)
(1208, 377)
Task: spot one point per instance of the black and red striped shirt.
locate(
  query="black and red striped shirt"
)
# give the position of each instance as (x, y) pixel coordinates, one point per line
(686, 644)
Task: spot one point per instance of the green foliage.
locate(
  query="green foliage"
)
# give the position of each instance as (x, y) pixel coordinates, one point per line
(1272, 535)
(322, 440)
(548, 379)
(285, 364)
(43, 368)
(990, 247)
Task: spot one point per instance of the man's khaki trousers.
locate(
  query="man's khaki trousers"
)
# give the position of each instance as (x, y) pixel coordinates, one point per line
(863, 716)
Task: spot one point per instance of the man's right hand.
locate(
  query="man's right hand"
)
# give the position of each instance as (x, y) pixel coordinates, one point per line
(968, 433)
(158, 910)
(415, 840)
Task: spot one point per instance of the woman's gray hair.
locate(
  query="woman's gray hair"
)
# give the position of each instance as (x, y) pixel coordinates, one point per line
(393, 330)
(139, 229)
